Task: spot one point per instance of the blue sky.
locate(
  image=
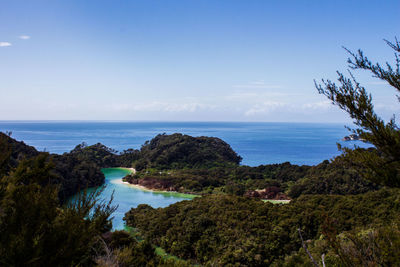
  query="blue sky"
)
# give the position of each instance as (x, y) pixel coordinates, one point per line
(186, 60)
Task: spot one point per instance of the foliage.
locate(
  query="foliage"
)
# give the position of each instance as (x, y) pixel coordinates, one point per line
(177, 151)
(337, 177)
(382, 165)
(74, 175)
(215, 230)
(121, 249)
(224, 230)
(72, 172)
(12, 151)
(35, 230)
(379, 246)
(104, 156)
(97, 153)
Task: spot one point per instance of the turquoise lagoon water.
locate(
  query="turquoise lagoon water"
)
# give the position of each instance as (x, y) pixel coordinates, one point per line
(126, 196)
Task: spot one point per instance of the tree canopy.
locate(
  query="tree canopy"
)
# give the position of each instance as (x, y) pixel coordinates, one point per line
(178, 151)
(36, 230)
(223, 230)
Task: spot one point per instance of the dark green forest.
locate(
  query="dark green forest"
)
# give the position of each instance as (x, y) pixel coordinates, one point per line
(178, 151)
(227, 230)
(70, 172)
(286, 180)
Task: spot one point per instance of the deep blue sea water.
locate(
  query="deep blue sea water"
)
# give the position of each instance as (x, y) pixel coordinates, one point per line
(257, 143)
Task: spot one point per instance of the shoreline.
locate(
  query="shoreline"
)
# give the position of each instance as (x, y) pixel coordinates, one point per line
(132, 170)
(155, 191)
(145, 189)
(178, 194)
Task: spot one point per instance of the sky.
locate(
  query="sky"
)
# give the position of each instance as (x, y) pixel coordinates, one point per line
(187, 60)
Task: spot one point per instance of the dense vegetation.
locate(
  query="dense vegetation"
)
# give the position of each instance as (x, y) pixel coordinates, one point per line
(211, 230)
(12, 151)
(35, 229)
(72, 172)
(222, 230)
(104, 156)
(177, 151)
(337, 177)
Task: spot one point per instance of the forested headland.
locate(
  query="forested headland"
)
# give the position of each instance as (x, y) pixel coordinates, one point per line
(182, 163)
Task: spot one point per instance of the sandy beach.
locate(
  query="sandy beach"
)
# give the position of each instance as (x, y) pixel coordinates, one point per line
(131, 169)
(143, 188)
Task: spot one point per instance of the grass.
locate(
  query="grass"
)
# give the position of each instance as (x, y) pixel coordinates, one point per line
(158, 250)
(273, 201)
(161, 252)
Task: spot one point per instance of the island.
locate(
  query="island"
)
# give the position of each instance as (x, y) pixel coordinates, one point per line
(352, 137)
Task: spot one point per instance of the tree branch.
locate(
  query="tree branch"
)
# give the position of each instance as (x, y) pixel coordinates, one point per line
(305, 248)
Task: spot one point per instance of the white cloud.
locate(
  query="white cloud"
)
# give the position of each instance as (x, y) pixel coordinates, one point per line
(387, 107)
(4, 44)
(318, 105)
(24, 37)
(157, 106)
(258, 85)
(255, 96)
(284, 107)
(264, 108)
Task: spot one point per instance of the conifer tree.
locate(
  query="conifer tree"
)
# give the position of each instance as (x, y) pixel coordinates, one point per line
(381, 165)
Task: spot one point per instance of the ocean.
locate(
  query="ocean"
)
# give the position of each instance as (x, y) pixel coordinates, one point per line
(257, 143)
